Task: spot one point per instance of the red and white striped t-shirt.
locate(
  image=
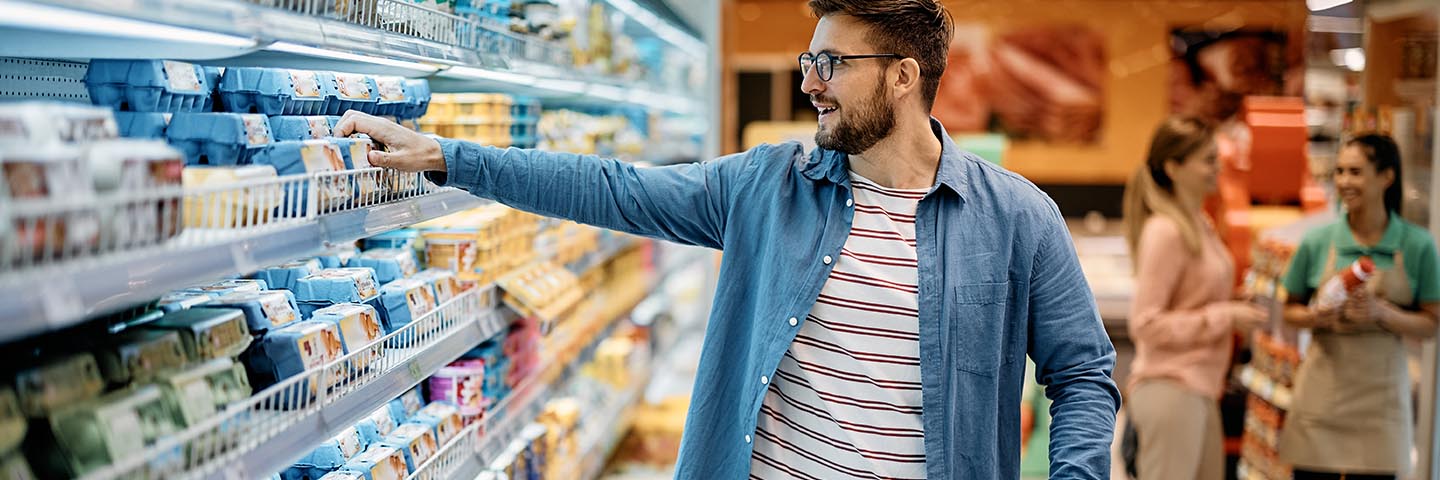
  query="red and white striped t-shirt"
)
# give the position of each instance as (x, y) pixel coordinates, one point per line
(845, 401)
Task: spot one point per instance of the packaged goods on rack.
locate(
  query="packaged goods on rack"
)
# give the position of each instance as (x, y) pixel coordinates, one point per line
(181, 300)
(93, 434)
(151, 85)
(545, 290)
(484, 118)
(358, 324)
(264, 311)
(234, 285)
(234, 207)
(56, 383)
(404, 300)
(460, 383)
(443, 418)
(293, 350)
(328, 457)
(313, 127)
(151, 125)
(390, 264)
(379, 462)
(338, 285)
(199, 392)
(347, 91)
(286, 275)
(407, 405)
(443, 283)
(208, 333)
(271, 91)
(338, 256)
(139, 356)
(53, 123)
(416, 441)
(118, 167)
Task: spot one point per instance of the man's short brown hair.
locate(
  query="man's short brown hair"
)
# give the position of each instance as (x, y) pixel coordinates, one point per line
(918, 29)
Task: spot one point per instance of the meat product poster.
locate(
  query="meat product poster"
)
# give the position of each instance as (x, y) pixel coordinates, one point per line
(1212, 71)
(1042, 82)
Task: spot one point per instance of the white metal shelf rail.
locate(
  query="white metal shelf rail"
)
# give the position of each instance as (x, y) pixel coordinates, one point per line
(279, 425)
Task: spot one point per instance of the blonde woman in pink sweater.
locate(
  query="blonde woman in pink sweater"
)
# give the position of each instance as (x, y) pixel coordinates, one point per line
(1183, 315)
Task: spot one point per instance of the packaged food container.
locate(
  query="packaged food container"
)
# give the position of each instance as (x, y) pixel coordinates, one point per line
(348, 91)
(198, 392)
(48, 123)
(264, 311)
(328, 457)
(150, 85)
(142, 125)
(137, 166)
(57, 383)
(182, 300)
(219, 138)
(359, 324)
(293, 350)
(239, 207)
(460, 384)
(404, 301)
(444, 420)
(295, 128)
(272, 91)
(416, 441)
(379, 463)
(286, 275)
(140, 356)
(208, 333)
(390, 264)
(119, 425)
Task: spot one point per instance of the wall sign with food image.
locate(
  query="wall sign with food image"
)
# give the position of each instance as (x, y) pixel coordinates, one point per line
(1211, 72)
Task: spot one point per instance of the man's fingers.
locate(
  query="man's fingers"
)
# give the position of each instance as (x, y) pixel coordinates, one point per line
(381, 159)
(351, 123)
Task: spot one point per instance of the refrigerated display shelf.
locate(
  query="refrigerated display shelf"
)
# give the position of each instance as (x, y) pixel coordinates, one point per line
(245, 242)
(281, 424)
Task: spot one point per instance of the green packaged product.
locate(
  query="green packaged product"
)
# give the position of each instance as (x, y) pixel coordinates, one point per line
(141, 355)
(58, 383)
(94, 434)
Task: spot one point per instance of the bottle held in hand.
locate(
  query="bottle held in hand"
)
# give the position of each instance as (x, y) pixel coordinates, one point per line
(1332, 295)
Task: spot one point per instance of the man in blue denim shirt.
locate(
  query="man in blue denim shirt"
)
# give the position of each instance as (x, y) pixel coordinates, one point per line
(996, 277)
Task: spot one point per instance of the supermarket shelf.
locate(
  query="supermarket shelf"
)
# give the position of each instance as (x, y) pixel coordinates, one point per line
(281, 424)
(1265, 387)
(87, 287)
(600, 443)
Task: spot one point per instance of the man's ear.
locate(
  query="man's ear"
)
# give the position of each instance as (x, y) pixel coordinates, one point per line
(906, 79)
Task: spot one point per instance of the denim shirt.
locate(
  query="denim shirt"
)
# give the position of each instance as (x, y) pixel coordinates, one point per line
(998, 280)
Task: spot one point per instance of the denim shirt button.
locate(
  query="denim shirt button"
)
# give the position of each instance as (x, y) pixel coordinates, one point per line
(849, 202)
(794, 321)
(747, 439)
(827, 259)
(764, 380)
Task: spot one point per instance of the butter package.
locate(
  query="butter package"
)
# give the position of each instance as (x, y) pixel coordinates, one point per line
(293, 350)
(347, 91)
(403, 239)
(444, 420)
(443, 283)
(219, 138)
(313, 127)
(311, 156)
(231, 285)
(405, 301)
(416, 441)
(31, 124)
(199, 392)
(182, 300)
(378, 425)
(149, 125)
(379, 463)
(285, 276)
(12, 422)
(390, 264)
(117, 426)
(216, 206)
(128, 165)
(338, 285)
(328, 457)
(150, 85)
(58, 383)
(271, 91)
(359, 324)
(208, 333)
(264, 311)
(140, 356)
(338, 256)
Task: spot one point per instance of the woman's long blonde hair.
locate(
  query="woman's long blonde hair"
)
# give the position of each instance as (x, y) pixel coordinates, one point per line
(1152, 191)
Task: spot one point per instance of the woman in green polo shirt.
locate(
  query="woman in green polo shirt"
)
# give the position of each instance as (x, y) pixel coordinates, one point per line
(1351, 414)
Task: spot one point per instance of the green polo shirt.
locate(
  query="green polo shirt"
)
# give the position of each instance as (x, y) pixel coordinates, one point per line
(1422, 266)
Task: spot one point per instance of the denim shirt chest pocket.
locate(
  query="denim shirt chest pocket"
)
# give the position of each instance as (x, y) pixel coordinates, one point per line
(979, 334)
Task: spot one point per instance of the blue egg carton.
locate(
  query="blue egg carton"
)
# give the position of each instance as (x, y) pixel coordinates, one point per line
(271, 91)
(418, 91)
(525, 109)
(348, 91)
(219, 138)
(310, 156)
(142, 124)
(151, 85)
(391, 97)
(292, 127)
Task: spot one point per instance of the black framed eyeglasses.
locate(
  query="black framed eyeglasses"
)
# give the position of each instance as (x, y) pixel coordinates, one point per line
(827, 62)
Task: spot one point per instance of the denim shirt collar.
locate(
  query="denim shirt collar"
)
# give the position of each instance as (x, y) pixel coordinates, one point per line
(832, 165)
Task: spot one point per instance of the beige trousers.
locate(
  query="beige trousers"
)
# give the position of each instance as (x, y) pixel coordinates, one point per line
(1179, 431)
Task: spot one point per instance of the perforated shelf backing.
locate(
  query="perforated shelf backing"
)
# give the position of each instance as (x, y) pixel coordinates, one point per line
(41, 79)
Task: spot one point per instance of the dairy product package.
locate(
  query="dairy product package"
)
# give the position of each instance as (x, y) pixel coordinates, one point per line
(219, 138)
(286, 275)
(445, 285)
(264, 311)
(460, 384)
(405, 301)
(416, 441)
(271, 91)
(379, 462)
(390, 264)
(150, 85)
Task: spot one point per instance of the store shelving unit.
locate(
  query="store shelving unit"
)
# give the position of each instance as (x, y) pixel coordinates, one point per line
(276, 426)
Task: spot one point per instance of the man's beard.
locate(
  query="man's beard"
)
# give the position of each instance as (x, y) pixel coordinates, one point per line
(865, 125)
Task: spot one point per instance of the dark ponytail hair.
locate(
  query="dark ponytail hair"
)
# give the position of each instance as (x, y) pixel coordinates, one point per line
(1382, 152)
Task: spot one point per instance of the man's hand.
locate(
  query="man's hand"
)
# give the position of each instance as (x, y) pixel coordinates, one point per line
(404, 149)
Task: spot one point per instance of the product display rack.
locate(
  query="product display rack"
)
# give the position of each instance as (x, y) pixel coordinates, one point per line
(266, 433)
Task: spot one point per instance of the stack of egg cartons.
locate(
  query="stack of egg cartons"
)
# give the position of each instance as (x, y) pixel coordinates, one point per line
(390, 444)
(484, 118)
(70, 188)
(266, 123)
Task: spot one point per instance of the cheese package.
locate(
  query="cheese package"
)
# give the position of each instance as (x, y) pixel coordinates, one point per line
(271, 91)
(229, 286)
(359, 324)
(416, 441)
(199, 392)
(347, 91)
(181, 300)
(404, 239)
(460, 383)
(444, 420)
(219, 138)
(285, 276)
(310, 156)
(391, 96)
(212, 205)
(12, 422)
(140, 356)
(35, 124)
(378, 425)
(294, 350)
(264, 311)
(148, 125)
(405, 300)
(208, 333)
(128, 165)
(150, 85)
(390, 264)
(328, 457)
(117, 426)
(313, 127)
(58, 383)
(443, 283)
(338, 256)
(379, 462)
